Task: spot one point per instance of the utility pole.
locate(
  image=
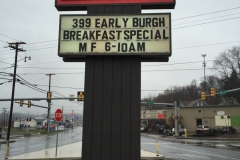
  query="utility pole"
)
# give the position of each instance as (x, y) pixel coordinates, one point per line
(7, 118)
(176, 119)
(4, 110)
(14, 46)
(204, 65)
(62, 114)
(49, 101)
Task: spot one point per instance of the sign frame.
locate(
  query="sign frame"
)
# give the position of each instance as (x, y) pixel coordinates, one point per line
(73, 5)
(145, 57)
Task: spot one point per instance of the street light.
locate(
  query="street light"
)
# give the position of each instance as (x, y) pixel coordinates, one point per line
(204, 65)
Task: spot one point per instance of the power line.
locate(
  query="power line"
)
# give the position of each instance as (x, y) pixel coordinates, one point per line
(8, 37)
(206, 13)
(57, 86)
(41, 42)
(205, 19)
(50, 68)
(206, 23)
(206, 45)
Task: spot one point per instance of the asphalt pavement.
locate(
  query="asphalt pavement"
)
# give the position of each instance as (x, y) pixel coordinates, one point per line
(223, 137)
(69, 150)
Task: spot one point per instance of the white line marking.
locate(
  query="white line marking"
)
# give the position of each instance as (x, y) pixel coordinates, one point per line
(189, 155)
(199, 152)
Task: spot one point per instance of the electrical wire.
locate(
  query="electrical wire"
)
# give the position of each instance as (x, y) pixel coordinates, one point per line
(8, 37)
(57, 86)
(206, 13)
(206, 23)
(205, 19)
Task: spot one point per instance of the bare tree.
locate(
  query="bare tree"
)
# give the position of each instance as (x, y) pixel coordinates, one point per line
(228, 62)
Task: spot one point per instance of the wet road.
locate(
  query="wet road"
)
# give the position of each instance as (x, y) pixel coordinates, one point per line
(191, 149)
(177, 148)
(35, 143)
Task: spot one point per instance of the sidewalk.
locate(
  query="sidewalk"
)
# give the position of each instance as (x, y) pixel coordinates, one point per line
(71, 151)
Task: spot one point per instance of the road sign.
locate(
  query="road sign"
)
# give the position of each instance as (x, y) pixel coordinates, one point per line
(220, 113)
(149, 103)
(58, 115)
(222, 92)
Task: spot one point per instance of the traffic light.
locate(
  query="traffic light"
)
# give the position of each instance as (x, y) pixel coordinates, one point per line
(213, 93)
(29, 104)
(21, 103)
(80, 96)
(203, 96)
(49, 95)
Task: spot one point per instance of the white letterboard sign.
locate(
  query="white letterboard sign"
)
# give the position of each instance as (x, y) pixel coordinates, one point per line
(144, 34)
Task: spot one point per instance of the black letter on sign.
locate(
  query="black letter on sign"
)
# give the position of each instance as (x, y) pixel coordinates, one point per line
(65, 34)
(82, 47)
(162, 22)
(164, 36)
(135, 22)
(141, 47)
(93, 45)
(72, 35)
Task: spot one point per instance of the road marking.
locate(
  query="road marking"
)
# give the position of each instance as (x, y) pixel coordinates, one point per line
(200, 152)
(189, 155)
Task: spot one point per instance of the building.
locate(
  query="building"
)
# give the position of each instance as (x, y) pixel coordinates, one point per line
(192, 116)
(152, 116)
(30, 122)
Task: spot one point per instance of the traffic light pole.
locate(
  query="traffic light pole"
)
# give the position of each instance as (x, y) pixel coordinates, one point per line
(13, 90)
(49, 102)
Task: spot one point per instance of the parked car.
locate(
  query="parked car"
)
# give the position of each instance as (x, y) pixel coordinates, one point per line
(142, 128)
(201, 127)
(204, 131)
(229, 129)
(44, 127)
(164, 129)
(39, 127)
(217, 130)
(181, 132)
(60, 128)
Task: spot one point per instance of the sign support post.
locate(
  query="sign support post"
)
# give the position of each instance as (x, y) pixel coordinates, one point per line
(58, 118)
(57, 140)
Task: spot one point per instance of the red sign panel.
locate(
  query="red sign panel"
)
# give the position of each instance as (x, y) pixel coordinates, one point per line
(58, 115)
(71, 5)
(160, 116)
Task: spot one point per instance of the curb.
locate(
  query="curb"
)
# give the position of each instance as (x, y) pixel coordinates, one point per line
(4, 142)
(234, 146)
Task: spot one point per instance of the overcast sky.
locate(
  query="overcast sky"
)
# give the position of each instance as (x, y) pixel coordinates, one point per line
(198, 27)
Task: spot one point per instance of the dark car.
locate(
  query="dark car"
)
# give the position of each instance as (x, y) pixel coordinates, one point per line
(164, 129)
(216, 130)
(229, 129)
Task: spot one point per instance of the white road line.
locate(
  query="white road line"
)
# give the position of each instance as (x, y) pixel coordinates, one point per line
(189, 155)
(200, 152)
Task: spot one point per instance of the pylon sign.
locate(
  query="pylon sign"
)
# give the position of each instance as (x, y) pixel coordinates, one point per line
(72, 5)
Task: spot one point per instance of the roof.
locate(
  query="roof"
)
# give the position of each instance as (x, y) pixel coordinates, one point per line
(208, 106)
(193, 103)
